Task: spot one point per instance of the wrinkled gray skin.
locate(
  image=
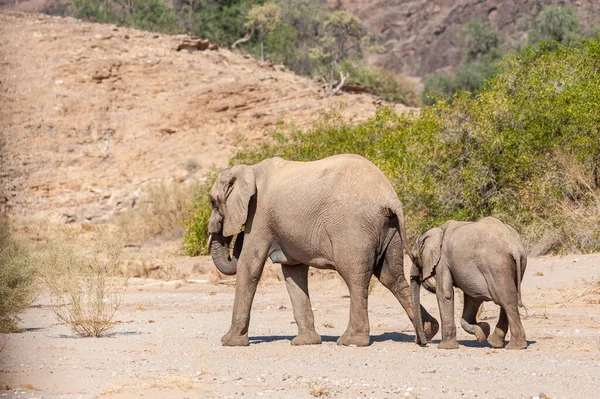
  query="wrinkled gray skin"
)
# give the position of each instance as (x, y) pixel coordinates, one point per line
(338, 213)
(486, 260)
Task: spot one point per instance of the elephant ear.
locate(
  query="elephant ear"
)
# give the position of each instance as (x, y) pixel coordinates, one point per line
(238, 185)
(430, 248)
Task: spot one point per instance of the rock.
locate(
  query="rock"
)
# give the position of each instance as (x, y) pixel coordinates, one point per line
(69, 217)
(168, 130)
(196, 43)
(88, 227)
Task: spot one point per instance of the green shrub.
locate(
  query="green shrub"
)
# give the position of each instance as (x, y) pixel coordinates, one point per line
(526, 149)
(478, 40)
(439, 86)
(196, 226)
(150, 15)
(382, 83)
(17, 279)
(481, 54)
(555, 23)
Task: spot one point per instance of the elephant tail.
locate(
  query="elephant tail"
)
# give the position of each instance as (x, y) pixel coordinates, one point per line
(521, 260)
(398, 212)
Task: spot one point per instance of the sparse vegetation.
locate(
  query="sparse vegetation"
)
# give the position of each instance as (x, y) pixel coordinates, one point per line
(84, 290)
(263, 19)
(383, 83)
(152, 15)
(344, 36)
(306, 36)
(161, 211)
(526, 149)
(319, 388)
(481, 54)
(555, 23)
(196, 226)
(17, 279)
(592, 286)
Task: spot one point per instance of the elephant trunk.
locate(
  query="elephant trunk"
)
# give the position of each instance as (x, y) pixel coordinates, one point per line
(430, 284)
(219, 251)
(415, 294)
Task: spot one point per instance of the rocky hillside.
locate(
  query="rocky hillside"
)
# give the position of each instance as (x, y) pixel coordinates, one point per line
(421, 34)
(90, 113)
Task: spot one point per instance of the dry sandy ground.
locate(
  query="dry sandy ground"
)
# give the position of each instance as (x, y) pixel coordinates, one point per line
(167, 345)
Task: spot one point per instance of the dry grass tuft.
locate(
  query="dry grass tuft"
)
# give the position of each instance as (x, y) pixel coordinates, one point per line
(84, 291)
(17, 279)
(28, 387)
(574, 227)
(173, 382)
(592, 286)
(319, 388)
(160, 212)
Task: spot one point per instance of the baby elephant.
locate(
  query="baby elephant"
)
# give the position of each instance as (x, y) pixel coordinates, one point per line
(486, 260)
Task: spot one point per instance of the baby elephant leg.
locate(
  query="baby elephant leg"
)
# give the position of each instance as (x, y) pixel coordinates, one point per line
(509, 317)
(469, 319)
(497, 337)
(445, 297)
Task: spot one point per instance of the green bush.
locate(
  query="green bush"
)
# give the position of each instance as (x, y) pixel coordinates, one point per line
(526, 149)
(555, 23)
(382, 83)
(17, 280)
(196, 226)
(478, 40)
(150, 15)
(481, 54)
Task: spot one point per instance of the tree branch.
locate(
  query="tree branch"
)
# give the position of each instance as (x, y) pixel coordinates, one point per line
(243, 39)
(336, 89)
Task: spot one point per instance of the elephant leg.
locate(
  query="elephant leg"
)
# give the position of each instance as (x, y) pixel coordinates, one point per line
(357, 332)
(517, 332)
(496, 339)
(505, 294)
(469, 319)
(249, 270)
(391, 276)
(296, 281)
(445, 298)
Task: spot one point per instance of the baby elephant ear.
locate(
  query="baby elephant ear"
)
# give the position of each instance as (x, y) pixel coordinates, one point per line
(430, 248)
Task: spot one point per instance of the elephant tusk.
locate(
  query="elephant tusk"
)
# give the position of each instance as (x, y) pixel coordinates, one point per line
(210, 238)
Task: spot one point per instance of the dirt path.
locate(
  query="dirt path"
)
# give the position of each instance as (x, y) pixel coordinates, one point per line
(167, 345)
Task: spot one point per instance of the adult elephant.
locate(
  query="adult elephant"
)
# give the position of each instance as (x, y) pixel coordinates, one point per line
(337, 213)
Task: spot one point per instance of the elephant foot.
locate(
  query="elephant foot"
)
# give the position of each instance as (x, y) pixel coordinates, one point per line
(496, 340)
(482, 331)
(431, 327)
(348, 339)
(517, 343)
(231, 339)
(448, 344)
(307, 338)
